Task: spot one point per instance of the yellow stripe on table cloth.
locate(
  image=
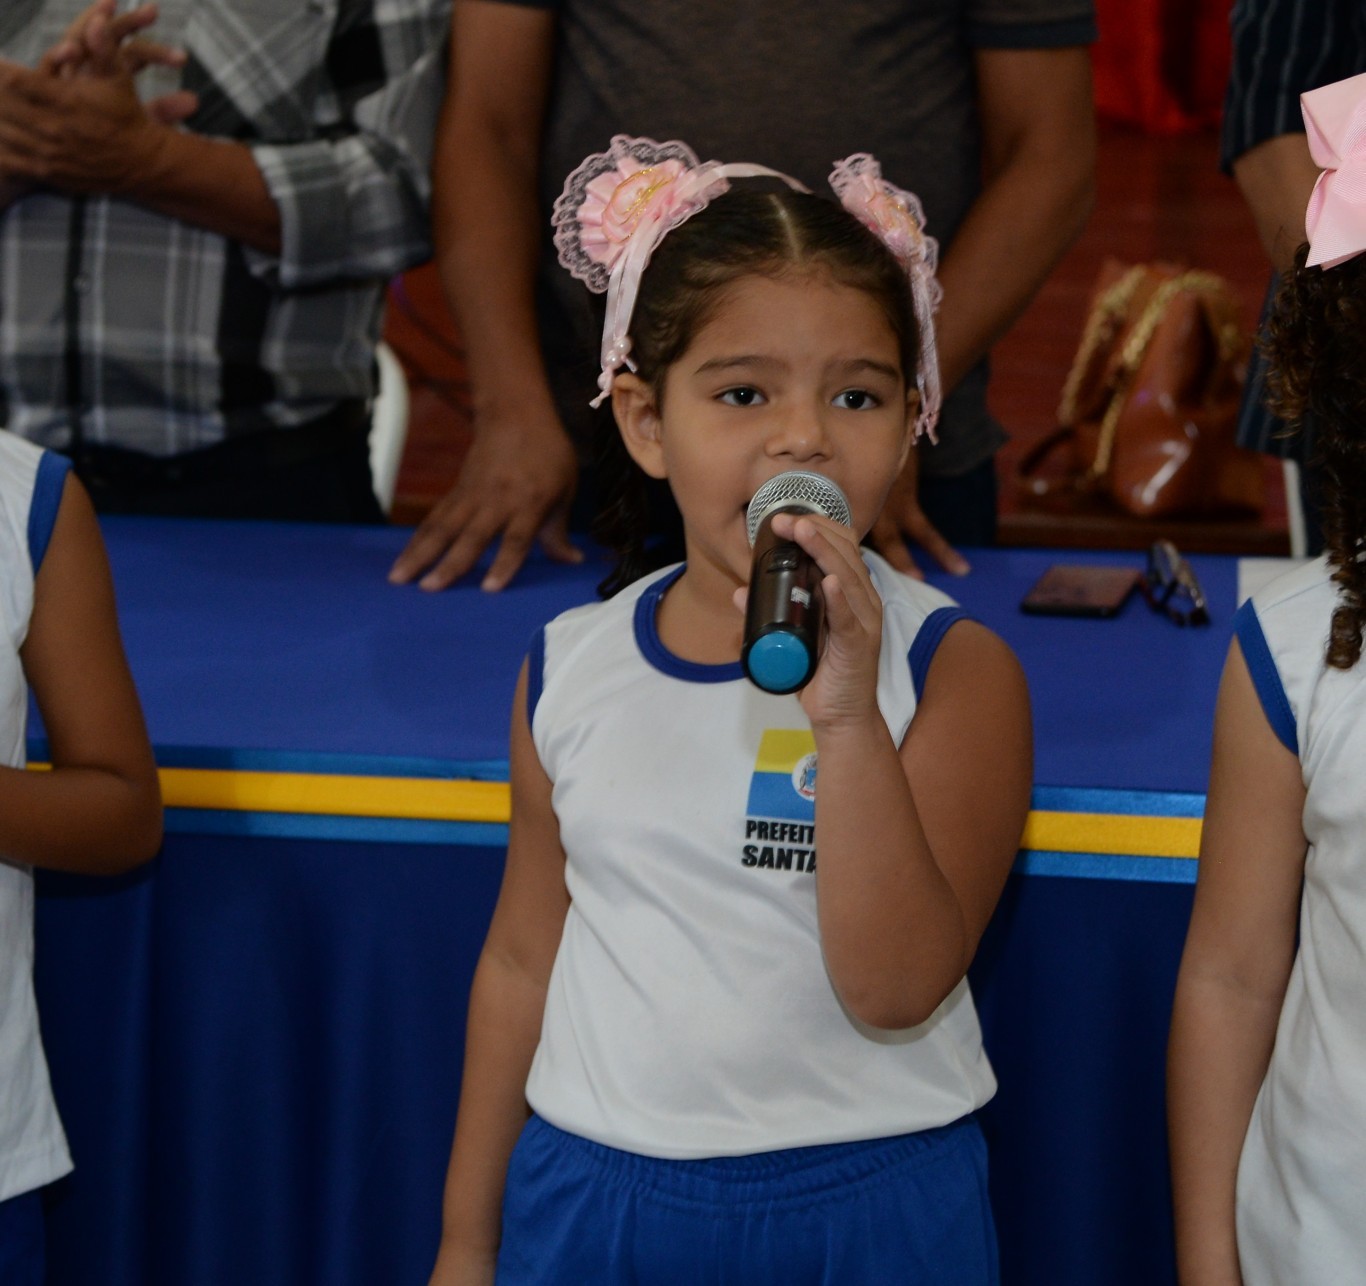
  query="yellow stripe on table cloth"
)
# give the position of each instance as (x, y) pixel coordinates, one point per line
(1113, 833)
(427, 799)
(464, 800)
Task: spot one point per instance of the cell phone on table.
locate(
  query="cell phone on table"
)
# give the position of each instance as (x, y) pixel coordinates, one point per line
(1080, 590)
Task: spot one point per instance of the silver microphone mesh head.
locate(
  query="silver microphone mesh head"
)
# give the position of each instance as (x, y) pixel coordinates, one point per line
(798, 488)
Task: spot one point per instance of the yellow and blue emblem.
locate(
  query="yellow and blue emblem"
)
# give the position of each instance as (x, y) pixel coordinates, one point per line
(784, 781)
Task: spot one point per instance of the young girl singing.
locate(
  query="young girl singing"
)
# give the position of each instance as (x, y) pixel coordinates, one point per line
(1267, 1068)
(726, 970)
(98, 809)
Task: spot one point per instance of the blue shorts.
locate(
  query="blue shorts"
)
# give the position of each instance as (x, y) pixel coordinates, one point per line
(21, 1240)
(908, 1209)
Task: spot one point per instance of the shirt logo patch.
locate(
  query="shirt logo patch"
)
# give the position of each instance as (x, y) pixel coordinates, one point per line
(780, 828)
(784, 781)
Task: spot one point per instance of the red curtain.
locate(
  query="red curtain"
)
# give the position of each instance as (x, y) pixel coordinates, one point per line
(1162, 64)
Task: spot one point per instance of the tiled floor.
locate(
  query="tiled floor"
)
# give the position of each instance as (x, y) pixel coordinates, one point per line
(1157, 199)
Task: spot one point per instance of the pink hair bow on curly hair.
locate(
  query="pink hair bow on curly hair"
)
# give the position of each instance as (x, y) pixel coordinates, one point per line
(615, 210)
(1335, 121)
(898, 219)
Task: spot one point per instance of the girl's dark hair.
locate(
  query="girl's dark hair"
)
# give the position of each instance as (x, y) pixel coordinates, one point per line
(1315, 343)
(738, 235)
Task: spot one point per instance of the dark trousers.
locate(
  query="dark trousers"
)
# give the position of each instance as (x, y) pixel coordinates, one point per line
(317, 472)
(962, 508)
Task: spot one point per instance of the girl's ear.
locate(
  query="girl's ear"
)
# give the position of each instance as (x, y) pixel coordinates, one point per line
(637, 415)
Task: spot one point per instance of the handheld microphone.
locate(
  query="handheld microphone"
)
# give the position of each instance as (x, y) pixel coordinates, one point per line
(785, 610)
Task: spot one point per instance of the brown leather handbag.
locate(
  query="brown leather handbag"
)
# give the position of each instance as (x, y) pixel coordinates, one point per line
(1149, 408)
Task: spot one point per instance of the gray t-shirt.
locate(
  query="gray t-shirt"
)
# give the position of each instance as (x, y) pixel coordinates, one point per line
(795, 85)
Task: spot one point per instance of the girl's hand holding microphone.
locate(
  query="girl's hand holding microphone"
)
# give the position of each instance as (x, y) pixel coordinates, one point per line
(843, 687)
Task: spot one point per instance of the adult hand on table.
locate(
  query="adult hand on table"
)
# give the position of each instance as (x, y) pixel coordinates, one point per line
(903, 517)
(515, 487)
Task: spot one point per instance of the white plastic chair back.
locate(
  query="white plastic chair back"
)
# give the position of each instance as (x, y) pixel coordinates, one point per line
(388, 426)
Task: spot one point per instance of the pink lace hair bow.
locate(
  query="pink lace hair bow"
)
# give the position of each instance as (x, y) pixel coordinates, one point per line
(619, 204)
(613, 212)
(898, 219)
(1335, 120)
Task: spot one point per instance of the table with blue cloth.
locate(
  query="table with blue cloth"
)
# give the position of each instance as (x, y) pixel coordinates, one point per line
(256, 1040)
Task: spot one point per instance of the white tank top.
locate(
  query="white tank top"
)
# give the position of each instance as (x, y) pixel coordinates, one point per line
(32, 1146)
(689, 1013)
(1301, 1177)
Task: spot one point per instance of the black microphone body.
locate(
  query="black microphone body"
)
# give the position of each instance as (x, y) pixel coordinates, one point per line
(786, 610)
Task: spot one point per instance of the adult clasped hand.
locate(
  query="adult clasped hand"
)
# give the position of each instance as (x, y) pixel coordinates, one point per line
(75, 123)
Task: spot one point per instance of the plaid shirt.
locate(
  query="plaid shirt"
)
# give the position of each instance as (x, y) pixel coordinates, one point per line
(121, 326)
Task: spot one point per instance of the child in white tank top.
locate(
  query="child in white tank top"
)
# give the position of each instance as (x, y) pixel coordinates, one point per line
(97, 810)
(727, 966)
(1267, 1079)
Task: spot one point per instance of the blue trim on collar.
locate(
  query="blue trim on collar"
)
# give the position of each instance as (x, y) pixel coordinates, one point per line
(47, 499)
(654, 651)
(1266, 678)
(927, 641)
